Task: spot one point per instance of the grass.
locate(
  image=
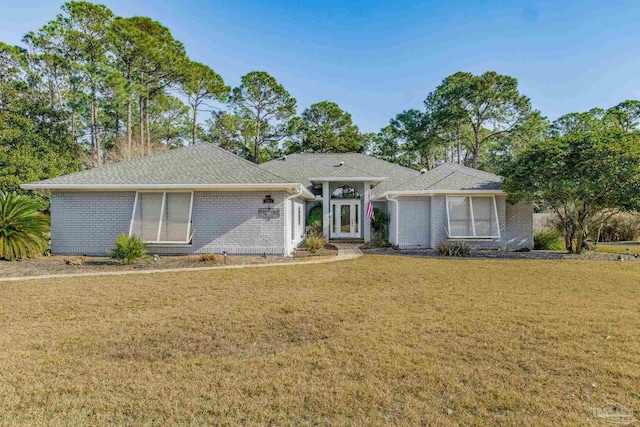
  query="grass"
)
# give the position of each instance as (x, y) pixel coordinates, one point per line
(374, 341)
(618, 248)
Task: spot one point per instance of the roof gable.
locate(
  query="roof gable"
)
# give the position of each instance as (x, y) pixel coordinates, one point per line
(452, 177)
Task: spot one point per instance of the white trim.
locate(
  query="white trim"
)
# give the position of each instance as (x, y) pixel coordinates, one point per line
(347, 178)
(162, 210)
(294, 188)
(133, 214)
(190, 219)
(441, 192)
(473, 223)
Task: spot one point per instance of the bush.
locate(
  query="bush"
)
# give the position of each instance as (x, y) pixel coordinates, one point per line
(548, 240)
(314, 219)
(23, 228)
(378, 241)
(453, 249)
(129, 249)
(314, 242)
(380, 223)
(209, 258)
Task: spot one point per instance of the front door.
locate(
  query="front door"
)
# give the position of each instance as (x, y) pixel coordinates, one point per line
(345, 219)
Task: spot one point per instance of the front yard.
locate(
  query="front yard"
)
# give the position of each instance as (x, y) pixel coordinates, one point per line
(374, 341)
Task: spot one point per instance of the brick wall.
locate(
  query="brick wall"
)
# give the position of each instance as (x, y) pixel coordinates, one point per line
(415, 222)
(87, 223)
(516, 223)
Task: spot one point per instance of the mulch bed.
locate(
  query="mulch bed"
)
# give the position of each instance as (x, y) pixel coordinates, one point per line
(57, 264)
(494, 254)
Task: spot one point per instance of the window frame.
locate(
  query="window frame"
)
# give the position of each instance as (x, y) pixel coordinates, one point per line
(189, 235)
(472, 218)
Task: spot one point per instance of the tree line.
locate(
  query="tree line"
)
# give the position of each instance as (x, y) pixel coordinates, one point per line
(90, 88)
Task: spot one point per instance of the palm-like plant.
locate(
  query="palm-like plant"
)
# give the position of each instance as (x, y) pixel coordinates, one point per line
(23, 228)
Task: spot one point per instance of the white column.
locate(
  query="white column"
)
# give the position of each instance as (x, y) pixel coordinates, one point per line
(366, 221)
(326, 214)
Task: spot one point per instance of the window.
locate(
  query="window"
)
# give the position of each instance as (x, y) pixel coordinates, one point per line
(299, 216)
(345, 192)
(472, 217)
(162, 217)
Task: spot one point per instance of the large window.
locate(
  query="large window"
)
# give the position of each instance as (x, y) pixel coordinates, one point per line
(162, 217)
(472, 217)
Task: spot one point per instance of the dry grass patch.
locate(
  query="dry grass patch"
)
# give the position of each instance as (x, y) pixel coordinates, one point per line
(374, 341)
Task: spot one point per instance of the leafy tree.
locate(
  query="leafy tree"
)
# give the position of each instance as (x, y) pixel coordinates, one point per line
(232, 133)
(497, 153)
(263, 101)
(80, 34)
(23, 228)
(200, 84)
(626, 115)
(326, 128)
(489, 105)
(584, 177)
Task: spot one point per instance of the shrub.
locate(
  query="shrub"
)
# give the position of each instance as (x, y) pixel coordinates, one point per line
(129, 249)
(377, 241)
(314, 219)
(209, 258)
(380, 223)
(453, 249)
(23, 228)
(314, 242)
(76, 260)
(548, 240)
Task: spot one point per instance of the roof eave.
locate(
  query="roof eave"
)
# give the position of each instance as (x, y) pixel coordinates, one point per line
(439, 192)
(292, 188)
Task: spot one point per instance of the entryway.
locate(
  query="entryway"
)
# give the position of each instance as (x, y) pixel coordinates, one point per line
(345, 219)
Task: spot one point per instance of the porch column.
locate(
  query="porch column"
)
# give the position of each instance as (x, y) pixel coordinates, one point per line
(366, 221)
(326, 215)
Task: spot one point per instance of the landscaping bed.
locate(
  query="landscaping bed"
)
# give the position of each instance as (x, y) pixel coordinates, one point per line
(59, 264)
(329, 250)
(494, 254)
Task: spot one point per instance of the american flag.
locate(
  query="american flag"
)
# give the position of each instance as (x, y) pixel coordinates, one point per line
(370, 211)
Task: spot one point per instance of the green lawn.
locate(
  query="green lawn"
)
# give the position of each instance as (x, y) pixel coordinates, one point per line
(618, 248)
(375, 341)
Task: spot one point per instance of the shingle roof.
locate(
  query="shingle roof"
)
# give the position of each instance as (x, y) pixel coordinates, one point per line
(301, 167)
(454, 177)
(199, 164)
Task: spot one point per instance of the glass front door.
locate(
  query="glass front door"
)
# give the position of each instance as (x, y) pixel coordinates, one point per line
(345, 221)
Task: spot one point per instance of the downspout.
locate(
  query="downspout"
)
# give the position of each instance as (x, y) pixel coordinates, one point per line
(287, 226)
(397, 216)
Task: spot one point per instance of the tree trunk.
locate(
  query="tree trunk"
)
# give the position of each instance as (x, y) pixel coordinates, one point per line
(579, 240)
(141, 142)
(256, 148)
(458, 150)
(147, 124)
(129, 120)
(194, 131)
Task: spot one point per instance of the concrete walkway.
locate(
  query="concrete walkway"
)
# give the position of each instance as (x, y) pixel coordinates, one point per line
(346, 251)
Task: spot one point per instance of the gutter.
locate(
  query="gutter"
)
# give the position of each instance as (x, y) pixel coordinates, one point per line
(442, 192)
(293, 188)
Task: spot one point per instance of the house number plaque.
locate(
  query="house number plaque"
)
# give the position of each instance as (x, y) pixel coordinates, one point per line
(268, 213)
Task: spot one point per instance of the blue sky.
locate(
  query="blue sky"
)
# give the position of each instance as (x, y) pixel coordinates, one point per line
(377, 58)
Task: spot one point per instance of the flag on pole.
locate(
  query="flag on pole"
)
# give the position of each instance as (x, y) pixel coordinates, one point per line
(370, 211)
